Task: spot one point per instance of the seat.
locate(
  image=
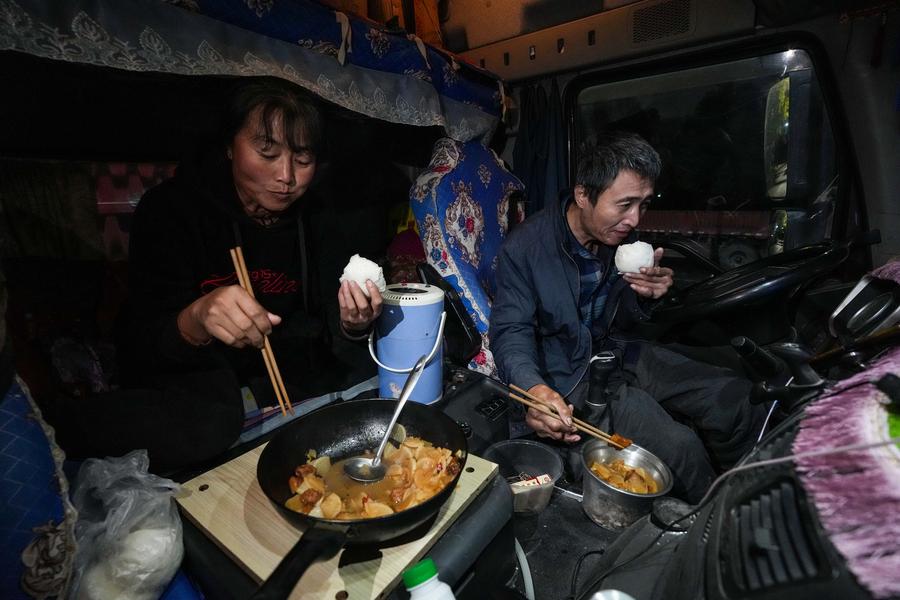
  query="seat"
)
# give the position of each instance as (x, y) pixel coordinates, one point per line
(462, 203)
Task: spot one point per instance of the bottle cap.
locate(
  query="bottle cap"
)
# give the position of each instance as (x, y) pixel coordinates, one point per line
(419, 573)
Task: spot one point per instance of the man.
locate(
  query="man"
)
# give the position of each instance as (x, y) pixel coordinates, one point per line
(560, 301)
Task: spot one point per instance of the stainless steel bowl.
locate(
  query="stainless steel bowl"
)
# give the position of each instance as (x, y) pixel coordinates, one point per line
(609, 506)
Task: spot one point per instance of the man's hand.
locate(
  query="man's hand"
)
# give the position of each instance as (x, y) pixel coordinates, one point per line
(651, 282)
(358, 311)
(549, 426)
(228, 314)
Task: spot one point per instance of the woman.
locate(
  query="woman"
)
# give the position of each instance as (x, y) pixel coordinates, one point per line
(190, 335)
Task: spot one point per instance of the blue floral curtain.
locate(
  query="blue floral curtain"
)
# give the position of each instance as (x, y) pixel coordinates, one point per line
(352, 62)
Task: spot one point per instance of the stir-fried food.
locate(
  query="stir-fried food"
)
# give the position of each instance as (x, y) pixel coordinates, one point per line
(416, 471)
(630, 479)
(621, 440)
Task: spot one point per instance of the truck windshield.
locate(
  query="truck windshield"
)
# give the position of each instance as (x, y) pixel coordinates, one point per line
(748, 153)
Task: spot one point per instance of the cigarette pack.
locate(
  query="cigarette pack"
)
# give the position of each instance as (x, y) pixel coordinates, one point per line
(527, 484)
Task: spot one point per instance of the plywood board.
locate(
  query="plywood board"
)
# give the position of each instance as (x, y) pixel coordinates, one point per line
(228, 505)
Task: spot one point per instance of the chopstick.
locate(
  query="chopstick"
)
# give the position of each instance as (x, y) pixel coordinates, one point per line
(237, 257)
(538, 404)
(240, 268)
(549, 411)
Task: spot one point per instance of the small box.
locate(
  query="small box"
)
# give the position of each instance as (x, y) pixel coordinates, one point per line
(531, 470)
(531, 494)
(525, 484)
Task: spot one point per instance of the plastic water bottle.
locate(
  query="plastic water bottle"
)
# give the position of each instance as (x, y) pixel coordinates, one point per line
(422, 582)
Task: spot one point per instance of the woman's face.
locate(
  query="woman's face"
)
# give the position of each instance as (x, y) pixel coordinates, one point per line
(268, 175)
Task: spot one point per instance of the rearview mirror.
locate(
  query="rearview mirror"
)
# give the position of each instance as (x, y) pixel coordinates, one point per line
(786, 138)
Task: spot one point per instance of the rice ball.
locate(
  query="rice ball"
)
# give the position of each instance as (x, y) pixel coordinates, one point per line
(359, 269)
(631, 257)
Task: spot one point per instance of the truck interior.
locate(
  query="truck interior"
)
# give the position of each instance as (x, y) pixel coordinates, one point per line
(777, 207)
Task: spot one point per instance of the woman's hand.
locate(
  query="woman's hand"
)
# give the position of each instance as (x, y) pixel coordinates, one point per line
(547, 426)
(228, 314)
(358, 311)
(652, 282)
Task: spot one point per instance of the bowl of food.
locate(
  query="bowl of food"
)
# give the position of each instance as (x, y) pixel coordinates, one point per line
(620, 485)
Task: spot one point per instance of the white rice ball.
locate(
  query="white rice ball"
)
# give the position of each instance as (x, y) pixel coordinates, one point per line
(631, 257)
(359, 269)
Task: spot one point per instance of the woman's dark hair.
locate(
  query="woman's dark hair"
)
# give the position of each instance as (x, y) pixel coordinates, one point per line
(301, 120)
(602, 158)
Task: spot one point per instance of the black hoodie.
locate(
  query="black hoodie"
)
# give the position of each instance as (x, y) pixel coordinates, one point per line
(179, 250)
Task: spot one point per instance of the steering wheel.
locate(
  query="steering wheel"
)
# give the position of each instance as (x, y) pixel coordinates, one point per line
(771, 278)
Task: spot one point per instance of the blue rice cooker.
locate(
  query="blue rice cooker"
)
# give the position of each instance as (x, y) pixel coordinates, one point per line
(411, 325)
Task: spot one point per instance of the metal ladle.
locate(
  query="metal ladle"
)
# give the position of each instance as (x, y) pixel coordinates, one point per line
(370, 470)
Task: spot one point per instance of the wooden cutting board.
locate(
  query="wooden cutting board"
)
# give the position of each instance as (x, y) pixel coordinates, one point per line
(228, 505)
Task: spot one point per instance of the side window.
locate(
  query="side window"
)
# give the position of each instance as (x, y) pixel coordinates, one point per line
(747, 149)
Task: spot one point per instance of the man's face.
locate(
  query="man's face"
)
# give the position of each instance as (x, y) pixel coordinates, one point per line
(617, 212)
(268, 175)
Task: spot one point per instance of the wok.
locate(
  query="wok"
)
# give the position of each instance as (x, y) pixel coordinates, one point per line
(339, 431)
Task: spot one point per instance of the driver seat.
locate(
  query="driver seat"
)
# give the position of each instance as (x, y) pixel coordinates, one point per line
(463, 202)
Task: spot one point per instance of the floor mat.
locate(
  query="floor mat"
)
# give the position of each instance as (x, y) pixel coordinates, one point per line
(554, 540)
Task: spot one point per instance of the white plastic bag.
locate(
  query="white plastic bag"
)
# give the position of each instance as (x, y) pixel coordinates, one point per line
(128, 530)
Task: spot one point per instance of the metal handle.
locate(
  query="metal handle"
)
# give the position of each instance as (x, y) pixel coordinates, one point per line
(434, 349)
(404, 396)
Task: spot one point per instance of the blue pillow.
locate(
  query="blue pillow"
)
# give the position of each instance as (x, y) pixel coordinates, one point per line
(37, 521)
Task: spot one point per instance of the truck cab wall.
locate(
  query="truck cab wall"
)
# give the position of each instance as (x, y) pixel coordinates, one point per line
(862, 97)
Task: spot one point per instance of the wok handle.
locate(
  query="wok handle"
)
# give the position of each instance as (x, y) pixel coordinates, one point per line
(315, 545)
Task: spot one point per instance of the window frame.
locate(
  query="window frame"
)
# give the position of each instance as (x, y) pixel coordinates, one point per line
(846, 166)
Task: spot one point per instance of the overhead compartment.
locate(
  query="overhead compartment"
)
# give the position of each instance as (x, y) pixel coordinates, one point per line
(631, 30)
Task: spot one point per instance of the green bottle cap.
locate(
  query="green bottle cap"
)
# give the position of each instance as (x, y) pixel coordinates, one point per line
(419, 573)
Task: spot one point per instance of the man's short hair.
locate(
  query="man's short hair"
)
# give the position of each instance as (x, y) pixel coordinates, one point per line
(602, 158)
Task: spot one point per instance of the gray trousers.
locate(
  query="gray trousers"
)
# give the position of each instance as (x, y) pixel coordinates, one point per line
(692, 415)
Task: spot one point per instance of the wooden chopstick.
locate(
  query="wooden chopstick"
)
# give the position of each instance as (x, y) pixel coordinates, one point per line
(534, 398)
(240, 268)
(267, 346)
(268, 354)
(538, 404)
(244, 281)
(548, 410)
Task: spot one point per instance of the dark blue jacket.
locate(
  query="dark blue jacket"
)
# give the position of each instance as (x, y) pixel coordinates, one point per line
(536, 333)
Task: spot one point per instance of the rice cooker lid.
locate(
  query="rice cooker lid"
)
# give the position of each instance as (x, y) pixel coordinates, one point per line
(412, 294)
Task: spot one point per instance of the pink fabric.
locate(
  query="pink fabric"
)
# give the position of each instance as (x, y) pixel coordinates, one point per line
(890, 271)
(407, 243)
(856, 494)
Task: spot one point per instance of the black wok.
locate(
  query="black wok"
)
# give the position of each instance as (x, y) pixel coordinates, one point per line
(339, 431)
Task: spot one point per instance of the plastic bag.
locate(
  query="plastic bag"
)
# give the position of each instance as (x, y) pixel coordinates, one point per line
(128, 530)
